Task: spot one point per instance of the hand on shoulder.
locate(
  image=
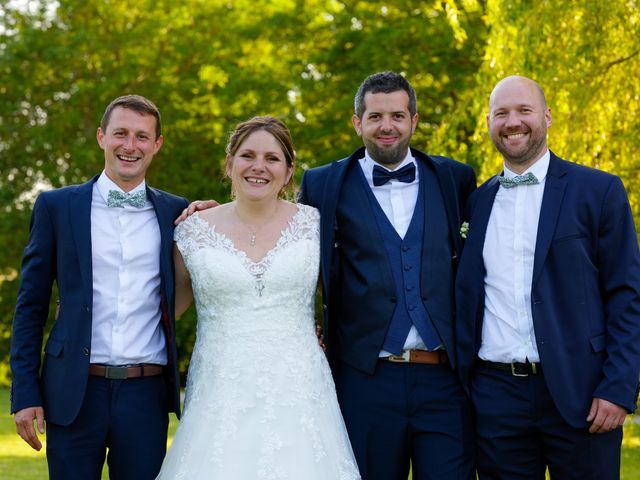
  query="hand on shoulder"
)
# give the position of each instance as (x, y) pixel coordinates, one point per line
(195, 206)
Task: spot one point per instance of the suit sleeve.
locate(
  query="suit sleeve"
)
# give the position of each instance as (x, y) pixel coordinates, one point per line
(618, 262)
(32, 308)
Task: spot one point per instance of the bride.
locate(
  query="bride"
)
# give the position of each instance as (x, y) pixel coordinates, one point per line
(260, 400)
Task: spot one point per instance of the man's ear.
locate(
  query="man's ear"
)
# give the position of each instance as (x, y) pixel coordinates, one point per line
(414, 123)
(357, 124)
(100, 137)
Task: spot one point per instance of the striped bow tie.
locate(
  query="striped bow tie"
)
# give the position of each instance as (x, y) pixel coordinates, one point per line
(118, 199)
(528, 179)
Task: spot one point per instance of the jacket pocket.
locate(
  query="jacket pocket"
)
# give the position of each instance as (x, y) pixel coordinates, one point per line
(566, 238)
(54, 347)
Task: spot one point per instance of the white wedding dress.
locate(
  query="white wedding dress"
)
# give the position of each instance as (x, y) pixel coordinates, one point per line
(260, 402)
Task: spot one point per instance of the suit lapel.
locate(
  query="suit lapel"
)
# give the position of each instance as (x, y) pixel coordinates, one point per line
(551, 203)
(80, 215)
(329, 203)
(165, 223)
(478, 222)
(429, 200)
(449, 195)
(481, 214)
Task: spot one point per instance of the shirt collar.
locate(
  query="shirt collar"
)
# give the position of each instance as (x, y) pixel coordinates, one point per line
(104, 184)
(539, 168)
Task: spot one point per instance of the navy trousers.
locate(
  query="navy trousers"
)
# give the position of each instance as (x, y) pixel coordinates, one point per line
(407, 414)
(520, 434)
(127, 418)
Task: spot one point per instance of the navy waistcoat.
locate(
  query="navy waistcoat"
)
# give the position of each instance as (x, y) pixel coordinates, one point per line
(405, 259)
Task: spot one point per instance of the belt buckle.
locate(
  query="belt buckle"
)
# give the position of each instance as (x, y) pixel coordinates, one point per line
(514, 373)
(404, 358)
(116, 373)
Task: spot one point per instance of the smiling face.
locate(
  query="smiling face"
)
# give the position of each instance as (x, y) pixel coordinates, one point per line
(517, 121)
(129, 143)
(259, 169)
(386, 126)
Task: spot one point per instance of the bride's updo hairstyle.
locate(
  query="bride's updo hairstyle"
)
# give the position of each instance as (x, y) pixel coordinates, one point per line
(271, 125)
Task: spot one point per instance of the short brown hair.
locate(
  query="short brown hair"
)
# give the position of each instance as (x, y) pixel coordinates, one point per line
(137, 103)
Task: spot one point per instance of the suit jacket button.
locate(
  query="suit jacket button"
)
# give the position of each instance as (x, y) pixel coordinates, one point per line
(85, 350)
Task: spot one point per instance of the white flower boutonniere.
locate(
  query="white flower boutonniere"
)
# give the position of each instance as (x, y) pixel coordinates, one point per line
(464, 229)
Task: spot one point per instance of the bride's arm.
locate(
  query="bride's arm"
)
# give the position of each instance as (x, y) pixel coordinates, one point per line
(184, 293)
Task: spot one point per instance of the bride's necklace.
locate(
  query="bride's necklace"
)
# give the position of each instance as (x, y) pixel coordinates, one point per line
(254, 230)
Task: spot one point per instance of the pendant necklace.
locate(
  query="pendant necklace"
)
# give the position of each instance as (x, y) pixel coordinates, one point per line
(253, 231)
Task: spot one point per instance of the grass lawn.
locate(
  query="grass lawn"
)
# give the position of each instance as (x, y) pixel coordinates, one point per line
(19, 462)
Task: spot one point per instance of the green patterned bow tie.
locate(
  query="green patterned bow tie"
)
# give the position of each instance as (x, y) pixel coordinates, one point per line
(118, 199)
(528, 179)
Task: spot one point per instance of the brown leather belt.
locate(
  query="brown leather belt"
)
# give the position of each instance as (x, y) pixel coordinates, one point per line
(122, 373)
(438, 357)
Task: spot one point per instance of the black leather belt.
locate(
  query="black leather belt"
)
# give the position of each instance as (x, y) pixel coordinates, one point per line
(517, 369)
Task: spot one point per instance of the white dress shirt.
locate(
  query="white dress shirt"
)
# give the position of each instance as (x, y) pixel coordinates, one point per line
(398, 201)
(125, 254)
(509, 248)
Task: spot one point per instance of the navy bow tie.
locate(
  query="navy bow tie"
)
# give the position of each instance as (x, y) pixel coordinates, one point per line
(406, 174)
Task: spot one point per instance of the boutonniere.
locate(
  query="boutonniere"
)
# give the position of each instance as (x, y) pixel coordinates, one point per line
(464, 230)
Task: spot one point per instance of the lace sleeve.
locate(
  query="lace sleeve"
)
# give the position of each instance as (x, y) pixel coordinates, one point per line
(307, 224)
(191, 235)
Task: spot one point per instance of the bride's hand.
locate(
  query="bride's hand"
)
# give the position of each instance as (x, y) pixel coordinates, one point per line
(194, 207)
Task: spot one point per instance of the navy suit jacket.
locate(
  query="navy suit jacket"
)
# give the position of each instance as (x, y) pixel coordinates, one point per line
(585, 295)
(59, 250)
(357, 337)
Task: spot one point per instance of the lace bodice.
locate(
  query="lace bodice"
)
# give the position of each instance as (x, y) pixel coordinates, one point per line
(196, 238)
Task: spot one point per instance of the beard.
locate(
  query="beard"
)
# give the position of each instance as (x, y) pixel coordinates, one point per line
(389, 156)
(524, 154)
